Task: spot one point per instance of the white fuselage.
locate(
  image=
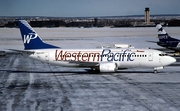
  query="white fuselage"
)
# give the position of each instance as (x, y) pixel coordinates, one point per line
(124, 58)
(99, 60)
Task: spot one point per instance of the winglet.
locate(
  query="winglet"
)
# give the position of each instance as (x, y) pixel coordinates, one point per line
(30, 38)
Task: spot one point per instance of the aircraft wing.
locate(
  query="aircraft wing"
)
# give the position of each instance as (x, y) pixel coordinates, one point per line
(79, 63)
(175, 49)
(166, 49)
(85, 64)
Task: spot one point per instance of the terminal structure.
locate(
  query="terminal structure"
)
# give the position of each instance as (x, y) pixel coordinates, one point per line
(147, 15)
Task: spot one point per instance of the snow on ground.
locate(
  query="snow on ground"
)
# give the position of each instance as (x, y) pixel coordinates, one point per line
(26, 84)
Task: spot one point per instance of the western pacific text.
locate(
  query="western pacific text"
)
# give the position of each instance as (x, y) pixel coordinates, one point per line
(94, 56)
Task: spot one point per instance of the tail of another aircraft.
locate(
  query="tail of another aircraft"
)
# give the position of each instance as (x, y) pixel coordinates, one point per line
(30, 38)
(164, 38)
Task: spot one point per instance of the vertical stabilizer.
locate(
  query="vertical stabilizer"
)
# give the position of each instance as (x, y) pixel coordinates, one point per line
(162, 34)
(164, 39)
(30, 38)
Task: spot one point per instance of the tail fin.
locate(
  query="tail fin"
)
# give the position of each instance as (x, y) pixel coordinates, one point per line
(162, 34)
(165, 39)
(30, 38)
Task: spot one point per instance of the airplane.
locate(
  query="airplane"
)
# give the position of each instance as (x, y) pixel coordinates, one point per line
(97, 60)
(167, 41)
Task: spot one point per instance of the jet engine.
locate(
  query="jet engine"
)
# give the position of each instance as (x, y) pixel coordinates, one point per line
(108, 67)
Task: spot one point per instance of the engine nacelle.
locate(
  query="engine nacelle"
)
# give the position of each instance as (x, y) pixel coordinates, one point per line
(108, 67)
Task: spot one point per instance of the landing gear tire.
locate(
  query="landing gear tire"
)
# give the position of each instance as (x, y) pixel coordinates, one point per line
(94, 71)
(155, 71)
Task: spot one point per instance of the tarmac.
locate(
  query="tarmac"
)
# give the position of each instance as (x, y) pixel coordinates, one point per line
(26, 84)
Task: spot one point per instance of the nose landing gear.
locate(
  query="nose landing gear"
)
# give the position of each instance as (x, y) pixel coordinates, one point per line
(157, 68)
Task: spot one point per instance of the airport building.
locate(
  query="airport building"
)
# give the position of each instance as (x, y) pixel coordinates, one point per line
(147, 15)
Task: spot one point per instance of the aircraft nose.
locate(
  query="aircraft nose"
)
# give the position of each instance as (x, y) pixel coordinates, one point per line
(167, 60)
(172, 60)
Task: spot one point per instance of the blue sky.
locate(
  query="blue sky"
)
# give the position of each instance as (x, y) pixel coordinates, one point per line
(86, 8)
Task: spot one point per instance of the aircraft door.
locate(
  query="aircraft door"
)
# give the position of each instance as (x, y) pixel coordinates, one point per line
(47, 56)
(150, 56)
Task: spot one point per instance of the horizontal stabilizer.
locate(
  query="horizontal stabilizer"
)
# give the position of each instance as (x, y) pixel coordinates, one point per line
(152, 41)
(22, 51)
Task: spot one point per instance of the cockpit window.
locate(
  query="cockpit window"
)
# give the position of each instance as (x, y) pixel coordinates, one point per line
(163, 54)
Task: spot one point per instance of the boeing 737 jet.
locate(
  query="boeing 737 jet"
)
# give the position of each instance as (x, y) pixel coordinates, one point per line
(98, 60)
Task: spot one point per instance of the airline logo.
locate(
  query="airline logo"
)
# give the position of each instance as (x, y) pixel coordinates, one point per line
(29, 37)
(163, 36)
(160, 29)
(87, 56)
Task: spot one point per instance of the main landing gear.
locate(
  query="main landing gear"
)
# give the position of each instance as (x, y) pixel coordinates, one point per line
(94, 70)
(155, 71)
